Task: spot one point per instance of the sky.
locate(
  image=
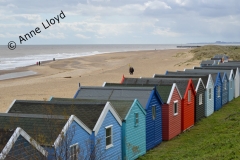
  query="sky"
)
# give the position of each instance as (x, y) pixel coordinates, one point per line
(120, 21)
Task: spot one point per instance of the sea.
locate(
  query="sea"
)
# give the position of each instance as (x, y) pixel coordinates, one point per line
(26, 55)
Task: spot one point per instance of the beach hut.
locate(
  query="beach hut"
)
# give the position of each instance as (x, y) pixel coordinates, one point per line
(133, 124)
(97, 133)
(230, 76)
(209, 63)
(147, 96)
(222, 56)
(209, 91)
(200, 94)
(186, 89)
(234, 65)
(38, 127)
(171, 109)
(236, 77)
(17, 144)
(217, 87)
(224, 80)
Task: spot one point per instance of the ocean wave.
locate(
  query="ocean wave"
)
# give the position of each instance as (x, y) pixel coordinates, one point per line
(15, 62)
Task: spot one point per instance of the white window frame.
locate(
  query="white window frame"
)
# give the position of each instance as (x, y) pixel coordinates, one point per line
(111, 144)
(219, 91)
(74, 156)
(210, 93)
(200, 99)
(175, 103)
(189, 96)
(136, 118)
(153, 112)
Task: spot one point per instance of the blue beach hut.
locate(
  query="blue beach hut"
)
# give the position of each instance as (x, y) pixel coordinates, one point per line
(96, 133)
(17, 144)
(133, 124)
(147, 96)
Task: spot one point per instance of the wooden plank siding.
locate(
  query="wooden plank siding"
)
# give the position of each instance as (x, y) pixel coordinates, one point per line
(114, 152)
(225, 90)
(218, 99)
(237, 83)
(171, 123)
(188, 108)
(153, 126)
(200, 108)
(135, 135)
(209, 97)
(22, 149)
(231, 88)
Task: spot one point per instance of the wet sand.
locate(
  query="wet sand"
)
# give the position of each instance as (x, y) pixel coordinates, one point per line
(61, 78)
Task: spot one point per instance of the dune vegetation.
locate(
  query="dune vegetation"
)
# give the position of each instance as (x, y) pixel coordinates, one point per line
(209, 51)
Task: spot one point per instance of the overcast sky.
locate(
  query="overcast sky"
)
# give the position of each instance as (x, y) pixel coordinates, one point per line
(121, 21)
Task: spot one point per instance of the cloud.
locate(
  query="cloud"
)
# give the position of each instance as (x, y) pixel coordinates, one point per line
(165, 32)
(10, 35)
(82, 36)
(52, 36)
(157, 5)
(122, 21)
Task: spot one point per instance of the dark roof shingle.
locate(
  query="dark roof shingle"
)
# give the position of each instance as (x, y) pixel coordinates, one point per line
(43, 128)
(121, 106)
(86, 112)
(116, 93)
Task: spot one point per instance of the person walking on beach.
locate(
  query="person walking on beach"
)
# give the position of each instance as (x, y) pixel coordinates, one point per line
(39, 63)
(131, 69)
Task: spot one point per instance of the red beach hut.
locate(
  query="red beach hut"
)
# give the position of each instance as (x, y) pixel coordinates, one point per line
(171, 110)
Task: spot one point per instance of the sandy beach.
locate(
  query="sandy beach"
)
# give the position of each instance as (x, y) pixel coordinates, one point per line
(61, 78)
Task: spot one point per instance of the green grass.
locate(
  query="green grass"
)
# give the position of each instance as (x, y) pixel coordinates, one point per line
(209, 51)
(215, 137)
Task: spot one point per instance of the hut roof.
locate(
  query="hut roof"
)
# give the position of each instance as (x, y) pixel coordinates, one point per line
(43, 128)
(88, 113)
(181, 83)
(208, 62)
(121, 106)
(115, 93)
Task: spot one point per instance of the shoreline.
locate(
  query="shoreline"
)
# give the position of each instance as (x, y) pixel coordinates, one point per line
(90, 53)
(61, 78)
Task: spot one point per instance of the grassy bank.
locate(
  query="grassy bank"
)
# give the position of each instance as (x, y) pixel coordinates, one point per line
(209, 51)
(215, 137)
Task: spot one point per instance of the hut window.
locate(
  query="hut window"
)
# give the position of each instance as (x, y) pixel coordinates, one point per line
(189, 95)
(175, 108)
(109, 137)
(210, 93)
(231, 84)
(153, 112)
(225, 85)
(74, 152)
(136, 119)
(200, 99)
(219, 91)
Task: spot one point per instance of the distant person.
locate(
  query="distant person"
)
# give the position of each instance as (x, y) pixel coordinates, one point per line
(39, 63)
(131, 70)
